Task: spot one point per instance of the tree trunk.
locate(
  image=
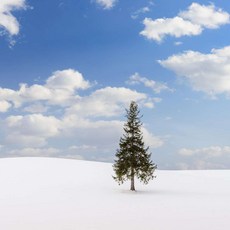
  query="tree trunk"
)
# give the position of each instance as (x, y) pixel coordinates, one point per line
(132, 188)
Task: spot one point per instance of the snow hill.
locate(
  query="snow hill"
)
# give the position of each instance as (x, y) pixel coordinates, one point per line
(59, 194)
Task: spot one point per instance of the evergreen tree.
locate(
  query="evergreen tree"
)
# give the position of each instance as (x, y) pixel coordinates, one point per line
(132, 158)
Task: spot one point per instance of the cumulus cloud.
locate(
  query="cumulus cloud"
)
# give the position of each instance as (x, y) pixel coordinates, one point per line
(209, 73)
(54, 116)
(177, 27)
(7, 21)
(91, 132)
(157, 87)
(102, 132)
(91, 139)
(187, 23)
(7, 95)
(98, 139)
(30, 130)
(106, 102)
(206, 16)
(106, 4)
(34, 124)
(4, 106)
(68, 79)
(60, 89)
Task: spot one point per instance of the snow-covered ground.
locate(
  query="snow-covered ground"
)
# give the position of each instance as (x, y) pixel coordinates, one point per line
(59, 194)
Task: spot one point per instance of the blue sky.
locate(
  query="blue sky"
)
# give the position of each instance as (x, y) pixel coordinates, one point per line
(68, 70)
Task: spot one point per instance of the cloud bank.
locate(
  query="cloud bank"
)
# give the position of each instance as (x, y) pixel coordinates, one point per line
(55, 119)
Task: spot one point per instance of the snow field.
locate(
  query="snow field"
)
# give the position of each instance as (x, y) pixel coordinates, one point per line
(60, 194)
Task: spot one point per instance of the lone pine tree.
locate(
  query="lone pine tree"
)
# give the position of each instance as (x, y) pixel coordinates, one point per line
(132, 158)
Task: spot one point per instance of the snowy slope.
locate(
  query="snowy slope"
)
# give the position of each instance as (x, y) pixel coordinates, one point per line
(58, 194)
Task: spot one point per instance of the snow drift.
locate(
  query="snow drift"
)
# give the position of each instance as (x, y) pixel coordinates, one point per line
(59, 194)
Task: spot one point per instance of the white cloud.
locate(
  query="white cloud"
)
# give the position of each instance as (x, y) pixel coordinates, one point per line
(7, 21)
(82, 147)
(186, 152)
(60, 89)
(4, 106)
(150, 103)
(213, 151)
(82, 152)
(151, 140)
(187, 23)
(177, 27)
(106, 4)
(213, 157)
(200, 165)
(34, 152)
(36, 108)
(157, 87)
(68, 79)
(178, 43)
(98, 140)
(106, 102)
(33, 93)
(209, 73)
(34, 124)
(92, 123)
(8, 95)
(30, 130)
(205, 16)
(101, 135)
(15, 139)
(142, 10)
